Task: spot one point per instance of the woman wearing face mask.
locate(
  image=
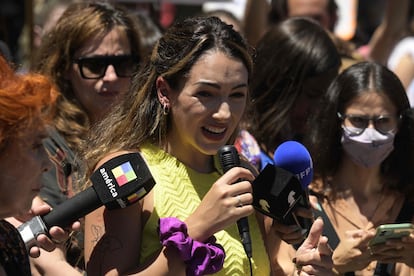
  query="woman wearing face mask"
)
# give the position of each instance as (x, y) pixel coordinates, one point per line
(362, 144)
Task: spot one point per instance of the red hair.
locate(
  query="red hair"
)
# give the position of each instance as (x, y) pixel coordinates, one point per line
(25, 100)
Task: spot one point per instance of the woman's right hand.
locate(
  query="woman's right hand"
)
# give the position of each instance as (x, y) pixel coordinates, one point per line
(353, 253)
(314, 256)
(57, 235)
(228, 200)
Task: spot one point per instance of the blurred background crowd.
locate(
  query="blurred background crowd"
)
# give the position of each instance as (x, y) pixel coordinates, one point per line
(23, 22)
(91, 53)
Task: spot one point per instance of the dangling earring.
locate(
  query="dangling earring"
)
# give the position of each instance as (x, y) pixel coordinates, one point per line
(165, 109)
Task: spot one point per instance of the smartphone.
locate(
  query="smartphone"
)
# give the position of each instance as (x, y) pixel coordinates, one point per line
(391, 231)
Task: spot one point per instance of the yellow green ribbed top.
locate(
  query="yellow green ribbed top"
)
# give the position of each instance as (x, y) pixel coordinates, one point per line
(177, 193)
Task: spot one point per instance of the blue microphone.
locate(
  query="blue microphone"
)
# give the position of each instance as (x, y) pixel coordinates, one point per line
(282, 185)
(293, 157)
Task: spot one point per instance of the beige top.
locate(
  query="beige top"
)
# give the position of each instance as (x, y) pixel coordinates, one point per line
(344, 217)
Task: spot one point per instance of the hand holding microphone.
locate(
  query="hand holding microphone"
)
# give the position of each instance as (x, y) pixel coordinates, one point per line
(229, 158)
(56, 234)
(118, 183)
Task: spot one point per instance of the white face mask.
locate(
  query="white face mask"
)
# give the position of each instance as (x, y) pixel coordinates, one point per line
(369, 148)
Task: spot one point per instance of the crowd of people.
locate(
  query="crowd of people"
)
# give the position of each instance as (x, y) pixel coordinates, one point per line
(106, 79)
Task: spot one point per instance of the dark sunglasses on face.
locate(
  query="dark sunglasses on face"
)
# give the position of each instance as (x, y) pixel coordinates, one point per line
(356, 124)
(95, 67)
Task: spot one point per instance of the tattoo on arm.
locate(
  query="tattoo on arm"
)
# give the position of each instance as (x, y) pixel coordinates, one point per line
(97, 233)
(104, 248)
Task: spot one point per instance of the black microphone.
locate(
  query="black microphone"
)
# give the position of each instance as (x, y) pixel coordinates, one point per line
(276, 193)
(229, 158)
(118, 183)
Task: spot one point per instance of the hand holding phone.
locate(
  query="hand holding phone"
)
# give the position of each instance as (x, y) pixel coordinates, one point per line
(391, 231)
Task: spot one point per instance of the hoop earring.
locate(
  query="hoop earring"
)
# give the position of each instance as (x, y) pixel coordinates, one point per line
(165, 109)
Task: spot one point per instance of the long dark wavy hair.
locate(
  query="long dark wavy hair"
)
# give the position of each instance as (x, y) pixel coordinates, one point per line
(324, 140)
(289, 53)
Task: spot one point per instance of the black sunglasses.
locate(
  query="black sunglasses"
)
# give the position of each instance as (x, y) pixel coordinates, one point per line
(96, 66)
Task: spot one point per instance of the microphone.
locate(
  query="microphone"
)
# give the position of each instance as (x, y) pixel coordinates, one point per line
(229, 158)
(118, 183)
(295, 158)
(282, 187)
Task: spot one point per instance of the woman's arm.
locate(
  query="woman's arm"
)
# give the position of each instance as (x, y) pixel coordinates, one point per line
(113, 240)
(255, 21)
(405, 70)
(113, 243)
(389, 31)
(112, 237)
(52, 263)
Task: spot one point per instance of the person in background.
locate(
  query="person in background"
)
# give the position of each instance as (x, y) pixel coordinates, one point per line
(45, 16)
(325, 12)
(11, 27)
(362, 145)
(401, 58)
(5, 52)
(47, 13)
(184, 105)
(392, 42)
(150, 32)
(26, 107)
(391, 29)
(295, 62)
(227, 17)
(90, 55)
(261, 14)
